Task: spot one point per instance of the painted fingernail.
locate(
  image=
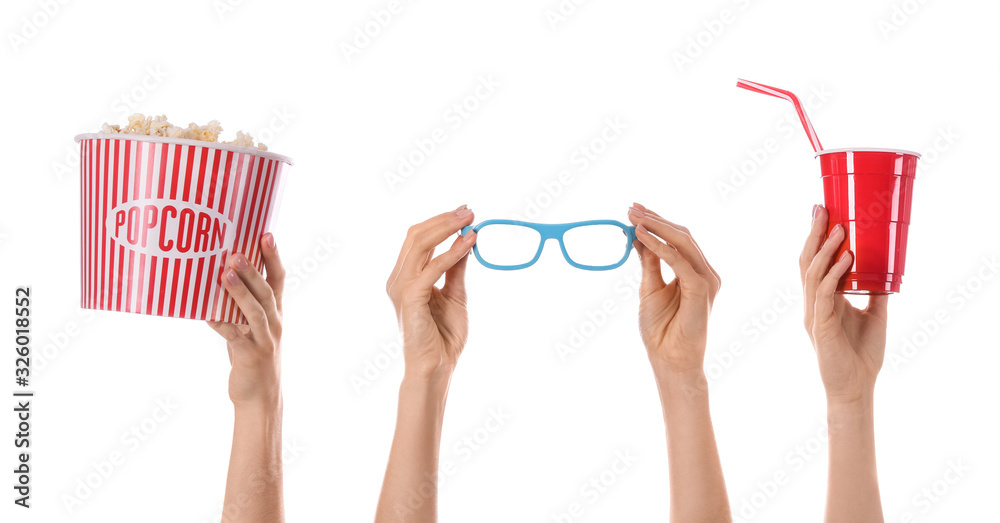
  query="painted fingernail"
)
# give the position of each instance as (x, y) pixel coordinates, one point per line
(837, 229)
(816, 209)
(269, 240)
(232, 277)
(240, 261)
(844, 256)
(463, 211)
(640, 228)
(637, 212)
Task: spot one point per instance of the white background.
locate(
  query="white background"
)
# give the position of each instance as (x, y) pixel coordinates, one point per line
(926, 82)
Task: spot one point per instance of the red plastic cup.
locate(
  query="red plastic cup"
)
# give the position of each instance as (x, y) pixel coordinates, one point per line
(159, 218)
(869, 191)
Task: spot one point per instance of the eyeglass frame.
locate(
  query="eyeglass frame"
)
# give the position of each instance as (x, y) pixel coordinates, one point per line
(553, 231)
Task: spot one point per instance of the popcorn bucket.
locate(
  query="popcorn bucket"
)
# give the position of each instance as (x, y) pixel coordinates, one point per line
(159, 218)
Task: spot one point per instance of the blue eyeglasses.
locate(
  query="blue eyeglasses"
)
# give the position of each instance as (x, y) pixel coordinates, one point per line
(594, 245)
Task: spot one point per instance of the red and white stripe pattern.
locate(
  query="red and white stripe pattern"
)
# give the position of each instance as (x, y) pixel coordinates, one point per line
(787, 95)
(244, 188)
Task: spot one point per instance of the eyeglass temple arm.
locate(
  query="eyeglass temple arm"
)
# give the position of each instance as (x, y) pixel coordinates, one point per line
(465, 230)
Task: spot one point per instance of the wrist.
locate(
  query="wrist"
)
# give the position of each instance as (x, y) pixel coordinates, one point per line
(429, 374)
(855, 402)
(849, 414)
(263, 407)
(689, 383)
(432, 385)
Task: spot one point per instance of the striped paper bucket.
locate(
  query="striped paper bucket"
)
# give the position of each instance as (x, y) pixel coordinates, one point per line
(159, 218)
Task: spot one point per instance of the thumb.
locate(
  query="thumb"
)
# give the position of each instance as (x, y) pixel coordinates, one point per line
(652, 277)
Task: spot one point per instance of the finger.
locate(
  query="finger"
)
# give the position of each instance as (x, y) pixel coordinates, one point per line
(259, 288)
(427, 258)
(406, 254)
(820, 265)
(247, 304)
(454, 278)
(648, 211)
(274, 269)
(678, 263)
(820, 220)
(430, 234)
(407, 243)
(652, 275)
(677, 236)
(828, 286)
(644, 209)
(446, 260)
(878, 305)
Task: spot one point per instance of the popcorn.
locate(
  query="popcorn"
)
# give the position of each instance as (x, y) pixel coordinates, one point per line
(159, 126)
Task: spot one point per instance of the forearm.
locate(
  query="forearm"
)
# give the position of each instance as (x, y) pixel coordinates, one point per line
(409, 490)
(254, 484)
(852, 492)
(697, 487)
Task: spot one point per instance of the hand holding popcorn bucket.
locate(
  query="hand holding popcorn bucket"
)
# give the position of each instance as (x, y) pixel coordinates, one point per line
(161, 216)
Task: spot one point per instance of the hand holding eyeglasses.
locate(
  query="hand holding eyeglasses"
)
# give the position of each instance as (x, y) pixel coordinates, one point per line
(434, 321)
(673, 317)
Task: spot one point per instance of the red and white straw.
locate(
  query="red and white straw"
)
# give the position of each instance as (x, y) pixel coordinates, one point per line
(787, 95)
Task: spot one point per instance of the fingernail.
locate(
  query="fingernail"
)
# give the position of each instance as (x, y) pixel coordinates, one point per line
(232, 277)
(837, 229)
(640, 228)
(463, 211)
(240, 261)
(845, 255)
(637, 212)
(815, 212)
(269, 240)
